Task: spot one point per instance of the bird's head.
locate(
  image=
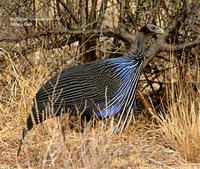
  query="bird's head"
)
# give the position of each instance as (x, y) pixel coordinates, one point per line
(150, 29)
(143, 36)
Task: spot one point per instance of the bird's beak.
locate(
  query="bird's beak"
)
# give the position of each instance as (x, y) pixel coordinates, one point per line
(160, 31)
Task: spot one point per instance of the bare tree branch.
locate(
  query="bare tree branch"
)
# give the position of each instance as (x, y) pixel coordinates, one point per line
(76, 20)
(161, 45)
(102, 11)
(176, 47)
(191, 14)
(109, 32)
(92, 17)
(160, 41)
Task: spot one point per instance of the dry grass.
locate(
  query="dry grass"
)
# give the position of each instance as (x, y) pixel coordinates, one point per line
(180, 128)
(174, 143)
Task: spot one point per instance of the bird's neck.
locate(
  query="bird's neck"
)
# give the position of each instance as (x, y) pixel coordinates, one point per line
(139, 47)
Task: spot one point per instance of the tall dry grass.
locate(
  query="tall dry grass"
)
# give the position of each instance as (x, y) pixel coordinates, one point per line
(180, 127)
(174, 143)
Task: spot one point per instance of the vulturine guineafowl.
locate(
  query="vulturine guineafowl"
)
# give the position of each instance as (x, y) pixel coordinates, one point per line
(102, 87)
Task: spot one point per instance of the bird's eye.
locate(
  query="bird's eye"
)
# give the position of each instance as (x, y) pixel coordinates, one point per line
(153, 28)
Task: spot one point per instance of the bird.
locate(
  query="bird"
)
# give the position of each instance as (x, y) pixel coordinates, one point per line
(104, 88)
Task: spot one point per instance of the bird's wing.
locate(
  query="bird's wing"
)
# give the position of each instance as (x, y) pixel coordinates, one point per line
(93, 81)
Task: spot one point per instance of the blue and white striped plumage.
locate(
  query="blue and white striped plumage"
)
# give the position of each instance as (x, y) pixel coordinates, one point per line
(104, 87)
(123, 75)
(127, 69)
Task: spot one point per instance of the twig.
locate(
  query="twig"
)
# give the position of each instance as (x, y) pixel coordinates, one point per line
(191, 15)
(102, 11)
(76, 20)
(177, 47)
(160, 163)
(148, 107)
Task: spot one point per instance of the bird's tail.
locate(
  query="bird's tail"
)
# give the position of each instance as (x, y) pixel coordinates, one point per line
(38, 115)
(24, 133)
(35, 117)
